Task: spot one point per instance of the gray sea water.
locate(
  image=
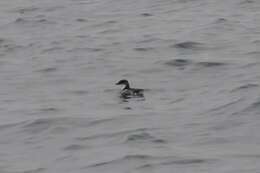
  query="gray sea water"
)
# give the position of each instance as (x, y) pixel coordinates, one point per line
(199, 61)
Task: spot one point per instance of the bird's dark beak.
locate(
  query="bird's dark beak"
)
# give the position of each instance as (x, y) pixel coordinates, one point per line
(117, 83)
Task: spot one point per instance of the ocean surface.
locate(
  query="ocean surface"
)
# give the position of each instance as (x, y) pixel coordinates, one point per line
(198, 61)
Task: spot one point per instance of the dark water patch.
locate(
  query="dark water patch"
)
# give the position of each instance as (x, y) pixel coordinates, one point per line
(177, 100)
(143, 49)
(180, 63)
(245, 87)
(188, 45)
(48, 70)
(10, 47)
(81, 20)
(25, 21)
(96, 49)
(146, 14)
(145, 166)
(140, 136)
(255, 106)
(221, 20)
(111, 21)
(210, 64)
(20, 20)
(159, 141)
(27, 10)
(256, 42)
(2, 41)
(74, 147)
(253, 53)
(50, 109)
(79, 92)
(42, 21)
(181, 162)
(185, 162)
(246, 2)
(38, 125)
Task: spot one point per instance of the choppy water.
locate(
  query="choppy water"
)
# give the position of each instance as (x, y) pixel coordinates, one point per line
(198, 59)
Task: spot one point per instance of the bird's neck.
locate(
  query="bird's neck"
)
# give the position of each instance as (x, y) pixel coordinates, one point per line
(126, 87)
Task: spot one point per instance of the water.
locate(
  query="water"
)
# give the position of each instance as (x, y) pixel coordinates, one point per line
(59, 105)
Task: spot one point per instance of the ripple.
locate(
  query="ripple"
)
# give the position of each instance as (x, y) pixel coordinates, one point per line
(227, 105)
(183, 63)
(255, 106)
(105, 23)
(210, 64)
(74, 147)
(127, 158)
(33, 22)
(185, 162)
(181, 162)
(140, 136)
(47, 70)
(86, 49)
(245, 87)
(113, 134)
(38, 125)
(143, 136)
(81, 20)
(253, 53)
(27, 10)
(146, 14)
(51, 49)
(20, 20)
(51, 109)
(247, 2)
(188, 45)
(143, 49)
(179, 63)
(221, 20)
(10, 47)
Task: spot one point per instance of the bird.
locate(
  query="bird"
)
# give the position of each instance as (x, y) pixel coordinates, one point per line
(128, 92)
